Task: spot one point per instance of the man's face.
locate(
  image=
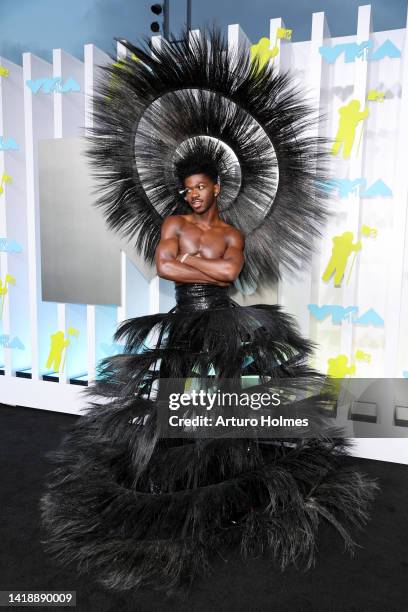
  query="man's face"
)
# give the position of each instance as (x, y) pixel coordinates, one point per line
(201, 192)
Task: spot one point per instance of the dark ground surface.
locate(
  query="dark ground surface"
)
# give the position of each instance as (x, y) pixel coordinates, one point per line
(375, 579)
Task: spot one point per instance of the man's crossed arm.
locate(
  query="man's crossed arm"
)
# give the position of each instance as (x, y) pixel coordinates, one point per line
(196, 268)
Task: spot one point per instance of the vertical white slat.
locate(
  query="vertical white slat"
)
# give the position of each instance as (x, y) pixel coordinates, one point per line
(5, 323)
(349, 291)
(61, 324)
(12, 211)
(57, 100)
(237, 39)
(274, 25)
(68, 106)
(4, 267)
(38, 122)
(68, 122)
(394, 313)
(284, 45)
(57, 97)
(93, 59)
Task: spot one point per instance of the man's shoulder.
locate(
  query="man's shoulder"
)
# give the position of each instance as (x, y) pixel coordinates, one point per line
(233, 233)
(171, 226)
(174, 220)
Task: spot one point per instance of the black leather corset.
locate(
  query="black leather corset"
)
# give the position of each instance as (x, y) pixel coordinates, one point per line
(201, 296)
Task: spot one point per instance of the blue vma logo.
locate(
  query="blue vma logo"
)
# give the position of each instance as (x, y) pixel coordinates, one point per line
(348, 313)
(7, 342)
(8, 144)
(346, 187)
(53, 85)
(10, 246)
(363, 50)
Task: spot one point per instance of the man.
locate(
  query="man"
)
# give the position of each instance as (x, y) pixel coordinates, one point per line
(199, 247)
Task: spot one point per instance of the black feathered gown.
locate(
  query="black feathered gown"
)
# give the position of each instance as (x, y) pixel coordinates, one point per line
(133, 508)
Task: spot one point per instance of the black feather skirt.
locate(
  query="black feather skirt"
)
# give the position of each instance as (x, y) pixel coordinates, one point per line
(134, 508)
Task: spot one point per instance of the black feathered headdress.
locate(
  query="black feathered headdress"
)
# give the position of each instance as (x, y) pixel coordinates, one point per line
(163, 103)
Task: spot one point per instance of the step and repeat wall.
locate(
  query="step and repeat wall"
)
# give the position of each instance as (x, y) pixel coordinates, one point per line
(66, 282)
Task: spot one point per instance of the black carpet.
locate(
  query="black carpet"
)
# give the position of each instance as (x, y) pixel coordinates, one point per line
(376, 578)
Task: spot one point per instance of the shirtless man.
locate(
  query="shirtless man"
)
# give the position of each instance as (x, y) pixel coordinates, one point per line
(200, 247)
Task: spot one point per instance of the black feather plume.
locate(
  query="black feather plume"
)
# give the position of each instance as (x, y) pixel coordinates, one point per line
(154, 104)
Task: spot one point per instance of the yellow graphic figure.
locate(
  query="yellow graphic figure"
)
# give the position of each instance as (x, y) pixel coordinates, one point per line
(261, 52)
(350, 116)
(342, 248)
(338, 367)
(376, 96)
(360, 355)
(369, 232)
(4, 72)
(6, 178)
(9, 280)
(71, 331)
(58, 345)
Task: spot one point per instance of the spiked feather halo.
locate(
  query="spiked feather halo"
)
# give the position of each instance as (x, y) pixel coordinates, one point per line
(197, 97)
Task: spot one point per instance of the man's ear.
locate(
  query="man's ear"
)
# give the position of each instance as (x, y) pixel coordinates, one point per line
(216, 191)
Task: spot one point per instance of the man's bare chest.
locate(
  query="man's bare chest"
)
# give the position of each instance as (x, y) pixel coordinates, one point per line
(209, 243)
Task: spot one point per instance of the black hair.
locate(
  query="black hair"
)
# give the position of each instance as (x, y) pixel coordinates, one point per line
(190, 167)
